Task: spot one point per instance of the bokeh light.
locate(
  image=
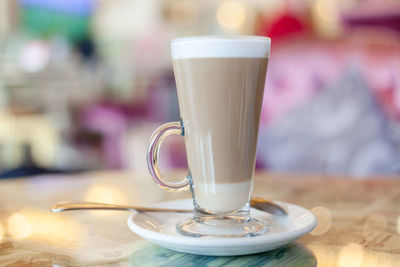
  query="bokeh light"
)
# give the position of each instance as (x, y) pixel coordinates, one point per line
(184, 13)
(375, 222)
(70, 69)
(105, 194)
(324, 256)
(44, 228)
(327, 9)
(1, 232)
(324, 218)
(325, 13)
(351, 255)
(18, 226)
(34, 57)
(231, 15)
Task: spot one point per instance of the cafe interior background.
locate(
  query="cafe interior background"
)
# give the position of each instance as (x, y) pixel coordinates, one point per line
(83, 83)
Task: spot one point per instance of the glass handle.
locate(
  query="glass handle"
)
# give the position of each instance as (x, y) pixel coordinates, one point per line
(153, 150)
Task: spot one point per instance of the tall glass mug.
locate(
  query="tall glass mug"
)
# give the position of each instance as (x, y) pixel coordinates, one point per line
(220, 83)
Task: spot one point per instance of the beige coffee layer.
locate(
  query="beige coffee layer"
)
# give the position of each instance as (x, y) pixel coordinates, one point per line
(223, 197)
(220, 103)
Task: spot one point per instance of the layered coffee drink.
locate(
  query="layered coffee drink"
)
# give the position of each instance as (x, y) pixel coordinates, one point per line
(220, 83)
(220, 97)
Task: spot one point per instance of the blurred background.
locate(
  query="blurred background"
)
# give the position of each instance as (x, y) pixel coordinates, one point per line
(83, 83)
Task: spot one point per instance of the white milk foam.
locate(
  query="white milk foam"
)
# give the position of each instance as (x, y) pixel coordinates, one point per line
(222, 197)
(221, 47)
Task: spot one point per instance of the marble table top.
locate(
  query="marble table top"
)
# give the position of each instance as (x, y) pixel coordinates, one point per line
(359, 221)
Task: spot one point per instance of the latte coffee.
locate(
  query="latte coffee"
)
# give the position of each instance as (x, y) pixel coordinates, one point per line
(220, 97)
(220, 84)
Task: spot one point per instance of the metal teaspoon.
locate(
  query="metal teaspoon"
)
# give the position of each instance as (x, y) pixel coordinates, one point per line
(257, 203)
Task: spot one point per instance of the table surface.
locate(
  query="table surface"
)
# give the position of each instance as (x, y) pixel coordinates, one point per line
(359, 221)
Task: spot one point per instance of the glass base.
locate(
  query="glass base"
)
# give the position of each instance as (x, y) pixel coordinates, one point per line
(217, 227)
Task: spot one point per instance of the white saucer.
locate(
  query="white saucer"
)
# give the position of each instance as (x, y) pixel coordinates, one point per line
(160, 228)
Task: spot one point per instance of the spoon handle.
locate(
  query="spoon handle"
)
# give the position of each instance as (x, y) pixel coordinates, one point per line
(67, 206)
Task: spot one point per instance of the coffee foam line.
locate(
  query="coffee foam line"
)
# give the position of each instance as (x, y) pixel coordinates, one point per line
(257, 47)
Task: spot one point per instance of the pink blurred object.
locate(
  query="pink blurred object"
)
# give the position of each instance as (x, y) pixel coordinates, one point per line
(373, 13)
(110, 123)
(295, 73)
(300, 68)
